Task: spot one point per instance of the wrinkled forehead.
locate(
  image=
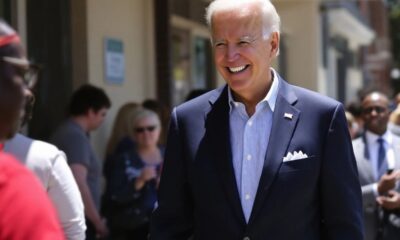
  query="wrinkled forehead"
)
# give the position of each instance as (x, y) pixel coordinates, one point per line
(237, 23)
(240, 12)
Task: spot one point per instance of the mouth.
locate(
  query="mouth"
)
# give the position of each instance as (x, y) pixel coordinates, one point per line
(237, 69)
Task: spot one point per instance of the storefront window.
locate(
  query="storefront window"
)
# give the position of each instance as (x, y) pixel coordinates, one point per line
(191, 63)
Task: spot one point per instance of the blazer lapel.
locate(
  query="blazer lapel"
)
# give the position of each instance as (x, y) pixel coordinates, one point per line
(281, 134)
(396, 149)
(363, 162)
(217, 123)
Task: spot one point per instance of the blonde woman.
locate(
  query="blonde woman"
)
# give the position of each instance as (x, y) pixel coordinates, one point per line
(120, 128)
(134, 179)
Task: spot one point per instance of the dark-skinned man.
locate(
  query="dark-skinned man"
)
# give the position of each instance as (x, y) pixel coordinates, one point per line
(377, 154)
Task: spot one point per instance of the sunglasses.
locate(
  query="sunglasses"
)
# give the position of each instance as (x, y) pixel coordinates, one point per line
(143, 129)
(377, 109)
(29, 72)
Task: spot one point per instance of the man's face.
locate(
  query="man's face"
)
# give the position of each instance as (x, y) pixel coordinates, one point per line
(375, 113)
(96, 118)
(241, 54)
(11, 95)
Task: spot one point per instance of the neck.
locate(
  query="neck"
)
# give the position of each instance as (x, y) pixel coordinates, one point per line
(82, 122)
(251, 100)
(146, 149)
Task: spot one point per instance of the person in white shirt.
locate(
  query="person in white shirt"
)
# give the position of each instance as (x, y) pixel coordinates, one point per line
(50, 165)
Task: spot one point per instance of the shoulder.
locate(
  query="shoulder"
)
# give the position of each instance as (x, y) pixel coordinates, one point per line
(31, 151)
(312, 99)
(44, 148)
(46, 151)
(396, 138)
(70, 138)
(68, 131)
(358, 141)
(358, 146)
(314, 107)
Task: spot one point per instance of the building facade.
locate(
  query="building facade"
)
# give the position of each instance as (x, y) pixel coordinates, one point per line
(160, 49)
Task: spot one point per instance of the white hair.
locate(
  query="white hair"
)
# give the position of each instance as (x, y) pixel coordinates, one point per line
(139, 114)
(271, 19)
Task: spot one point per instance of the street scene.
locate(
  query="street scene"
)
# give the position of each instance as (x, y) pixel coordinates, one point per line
(200, 119)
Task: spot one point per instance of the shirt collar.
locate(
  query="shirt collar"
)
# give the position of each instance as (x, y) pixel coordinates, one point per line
(373, 138)
(270, 97)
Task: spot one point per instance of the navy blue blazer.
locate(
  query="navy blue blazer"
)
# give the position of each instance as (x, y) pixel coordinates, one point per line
(314, 198)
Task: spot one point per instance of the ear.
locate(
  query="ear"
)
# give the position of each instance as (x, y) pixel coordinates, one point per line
(90, 112)
(275, 37)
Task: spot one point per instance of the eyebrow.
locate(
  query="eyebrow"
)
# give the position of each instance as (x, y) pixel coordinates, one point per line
(247, 38)
(218, 41)
(243, 38)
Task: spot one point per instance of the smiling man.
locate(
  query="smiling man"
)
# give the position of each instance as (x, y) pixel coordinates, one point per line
(257, 158)
(377, 153)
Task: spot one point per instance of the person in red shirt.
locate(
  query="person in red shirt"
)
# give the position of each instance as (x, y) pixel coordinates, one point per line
(25, 210)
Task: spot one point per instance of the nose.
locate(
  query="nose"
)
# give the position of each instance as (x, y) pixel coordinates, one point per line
(374, 112)
(231, 53)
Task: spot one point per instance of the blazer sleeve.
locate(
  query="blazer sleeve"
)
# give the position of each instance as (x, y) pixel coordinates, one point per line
(369, 196)
(340, 188)
(173, 218)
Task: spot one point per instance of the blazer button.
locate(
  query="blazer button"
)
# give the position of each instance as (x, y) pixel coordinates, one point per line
(246, 238)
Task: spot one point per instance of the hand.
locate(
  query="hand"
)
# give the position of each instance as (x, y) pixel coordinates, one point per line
(148, 173)
(101, 229)
(389, 202)
(388, 182)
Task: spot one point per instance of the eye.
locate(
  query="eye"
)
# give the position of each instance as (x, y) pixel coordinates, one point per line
(219, 45)
(244, 43)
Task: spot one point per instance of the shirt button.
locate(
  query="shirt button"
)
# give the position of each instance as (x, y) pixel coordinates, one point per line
(250, 123)
(247, 197)
(249, 157)
(246, 238)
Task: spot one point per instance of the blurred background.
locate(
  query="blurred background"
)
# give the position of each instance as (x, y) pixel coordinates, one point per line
(160, 49)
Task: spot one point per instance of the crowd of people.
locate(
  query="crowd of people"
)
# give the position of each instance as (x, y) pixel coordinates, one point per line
(59, 196)
(244, 161)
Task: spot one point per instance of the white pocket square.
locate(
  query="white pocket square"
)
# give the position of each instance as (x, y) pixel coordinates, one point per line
(294, 156)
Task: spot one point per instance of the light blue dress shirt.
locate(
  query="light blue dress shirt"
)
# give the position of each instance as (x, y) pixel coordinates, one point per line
(373, 146)
(249, 141)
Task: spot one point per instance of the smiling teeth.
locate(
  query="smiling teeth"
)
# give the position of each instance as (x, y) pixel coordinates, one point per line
(237, 69)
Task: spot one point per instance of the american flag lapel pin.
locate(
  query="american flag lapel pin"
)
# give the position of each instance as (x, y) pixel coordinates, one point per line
(288, 116)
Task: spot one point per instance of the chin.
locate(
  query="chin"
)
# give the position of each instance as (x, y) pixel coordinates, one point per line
(238, 87)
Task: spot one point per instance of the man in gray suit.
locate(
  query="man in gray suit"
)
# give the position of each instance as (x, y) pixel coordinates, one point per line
(377, 154)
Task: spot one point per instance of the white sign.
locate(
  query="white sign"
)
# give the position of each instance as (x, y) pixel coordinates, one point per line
(114, 61)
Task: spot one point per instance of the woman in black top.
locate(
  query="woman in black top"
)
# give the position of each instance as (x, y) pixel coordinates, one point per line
(132, 184)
